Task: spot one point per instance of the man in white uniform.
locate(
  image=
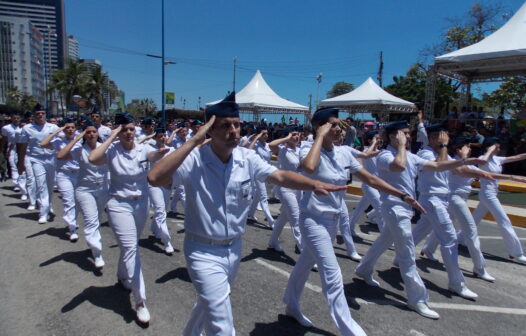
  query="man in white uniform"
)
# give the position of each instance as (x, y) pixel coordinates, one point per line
(104, 131)
(41, 160)
(8, 138)
(218, 177)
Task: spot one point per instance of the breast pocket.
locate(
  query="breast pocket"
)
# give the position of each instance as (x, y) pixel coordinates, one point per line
(143, 165)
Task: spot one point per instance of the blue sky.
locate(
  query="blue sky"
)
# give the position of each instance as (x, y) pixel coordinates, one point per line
(290, 41)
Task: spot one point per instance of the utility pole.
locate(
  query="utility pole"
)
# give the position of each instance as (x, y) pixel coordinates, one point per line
(199, 102)
(162, 61)
(318, 79)
(381, 69)
(48, 67)
(234, 81)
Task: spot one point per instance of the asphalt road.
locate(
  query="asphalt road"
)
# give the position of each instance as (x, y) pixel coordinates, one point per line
(49, 286)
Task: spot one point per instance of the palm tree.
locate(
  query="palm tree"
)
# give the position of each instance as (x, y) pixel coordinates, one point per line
(96, 86)
(147, 106)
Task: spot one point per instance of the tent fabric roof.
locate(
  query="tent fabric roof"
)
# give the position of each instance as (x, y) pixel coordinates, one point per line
(507, 41)
(369, 93)
(258, 95)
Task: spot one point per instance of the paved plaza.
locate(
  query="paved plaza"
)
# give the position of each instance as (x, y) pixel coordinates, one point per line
(49, 286)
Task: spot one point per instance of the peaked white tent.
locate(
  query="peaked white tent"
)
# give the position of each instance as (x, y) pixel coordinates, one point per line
(258, 97)
(501, 54)
(372, 98)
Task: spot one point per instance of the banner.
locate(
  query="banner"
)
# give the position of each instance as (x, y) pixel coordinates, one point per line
(169, 100)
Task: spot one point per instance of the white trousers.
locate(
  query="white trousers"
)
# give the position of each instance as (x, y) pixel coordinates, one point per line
(318, 233)
(345, 229)
(261, 198)
(397, 230)
(490, 202)
(289, 212)
(13, 159)
(127, 219)
(29, 182)
(178, 195)
(213, 271)
(44, 173)
(370, 196)
(438, 220)
(460, 213)
(92, 203)
(159, 198)
(67, 182)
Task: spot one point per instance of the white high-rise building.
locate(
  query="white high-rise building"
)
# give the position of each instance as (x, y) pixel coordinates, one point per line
(73, 48)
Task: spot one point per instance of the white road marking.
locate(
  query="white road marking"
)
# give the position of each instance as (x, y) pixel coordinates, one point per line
(413, 332)
(495, 237)
(394, 302)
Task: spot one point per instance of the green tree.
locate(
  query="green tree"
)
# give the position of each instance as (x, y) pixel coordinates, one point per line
(340, 88)
(20, 101)
(96, 85)
(147, 107)
(510, 96)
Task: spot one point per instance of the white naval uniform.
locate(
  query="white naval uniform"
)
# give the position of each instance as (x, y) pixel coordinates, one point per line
(104, 132)
(9, 131)
(371, 196)
(178, 193)
(460, 189)
(260, 193)
(41, 161)
(488, 201)
(319, 221)
(159, 200)
(434, 198)
(67, 175)
(219, 196)
(397, 224)
(288, 159)
(91, 194)
(128, 210)
(26, 180)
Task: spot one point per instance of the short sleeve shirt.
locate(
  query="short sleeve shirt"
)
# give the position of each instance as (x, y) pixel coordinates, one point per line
(370, 164)
(263, 151)
(177, 142)
(9, 131)
(218, 195)
(104, 132)
(128, 169)
(404, 180)
(90, 175)
(32, 134)
(494, 165)
(460, 184)
(65, 165)
(432, 182)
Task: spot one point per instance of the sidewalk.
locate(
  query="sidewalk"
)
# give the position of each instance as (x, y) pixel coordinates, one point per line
(516, 215)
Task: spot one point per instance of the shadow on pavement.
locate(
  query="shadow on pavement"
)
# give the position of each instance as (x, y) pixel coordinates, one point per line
(32, 216)
(78, 258)
(54, 232)
(18, 205)
(258, 225)
(271, 255)
(16, 196)
(359, 289)
(179, 273)
(151, 243)
(425, 264)
(111, 298)
(285, 326)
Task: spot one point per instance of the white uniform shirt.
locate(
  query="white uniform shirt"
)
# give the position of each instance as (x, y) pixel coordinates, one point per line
(104, 132)
(345, 150)
(460, 184)
(32, 134)
(243, 139)
(9, 132)
(431, 182)
(263, 151)
(218, 195)
(333, 167)
(370, 164)
(148, 142)
(177, 142)
(288, 158)
(154, 147)
(138, 133)
(65, 165)
(90, 175)
(404, 180)
(128, 170)
(190, 134)
(421, 135)
(494, 165)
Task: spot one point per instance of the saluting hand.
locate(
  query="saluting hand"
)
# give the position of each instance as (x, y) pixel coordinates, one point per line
(323, 130)
(401, 139)
(163, 150)
(200, 136)
(116, 131)
(322, 188)
(443, 138)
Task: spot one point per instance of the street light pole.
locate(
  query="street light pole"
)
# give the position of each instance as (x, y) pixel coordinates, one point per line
(318, 79)
(162, 63)
(234, 81)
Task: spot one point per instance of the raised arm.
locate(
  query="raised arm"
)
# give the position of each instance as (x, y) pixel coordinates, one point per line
(98, 155)
(296, 181)
(421, 134)
(171, 137)
(274, 145)
(515, 158)
(65, 153)
(162, 172)
(253, 144)
(400, 160)
(46, 143)
(311, 161)
(146, 138)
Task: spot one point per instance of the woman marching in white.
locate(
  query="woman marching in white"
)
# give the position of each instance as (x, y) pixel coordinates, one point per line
(288, 154)
(129, 201)
(92, 186)
(319, 221)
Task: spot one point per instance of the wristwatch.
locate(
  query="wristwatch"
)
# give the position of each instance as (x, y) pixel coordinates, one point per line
(403, 196)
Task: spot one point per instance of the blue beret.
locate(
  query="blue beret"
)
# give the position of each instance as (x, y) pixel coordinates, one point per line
(460, 141)
(324, 115)
(490, 141)
(38, 107)
(88, 124)
(67, 121)
(225, 108)
(95, 111)
(159, 130)
(181, 125)
(395, 126)
(148, 121)
(197, 122)
(436, 128)
(84, 118)
(123, 118)
(261, 128)
(370, 134)
(27, 115)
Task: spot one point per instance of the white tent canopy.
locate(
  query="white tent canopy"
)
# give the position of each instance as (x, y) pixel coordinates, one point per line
(257, 96)
(509, 40)
(369, 95)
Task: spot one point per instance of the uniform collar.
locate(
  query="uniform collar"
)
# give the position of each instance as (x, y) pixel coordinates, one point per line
(209, 157)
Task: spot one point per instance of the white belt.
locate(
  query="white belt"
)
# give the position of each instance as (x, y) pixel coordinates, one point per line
(209, 241)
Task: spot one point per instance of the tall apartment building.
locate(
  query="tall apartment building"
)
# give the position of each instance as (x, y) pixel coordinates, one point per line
(48, 17)
(21, 57)
(73, 48)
